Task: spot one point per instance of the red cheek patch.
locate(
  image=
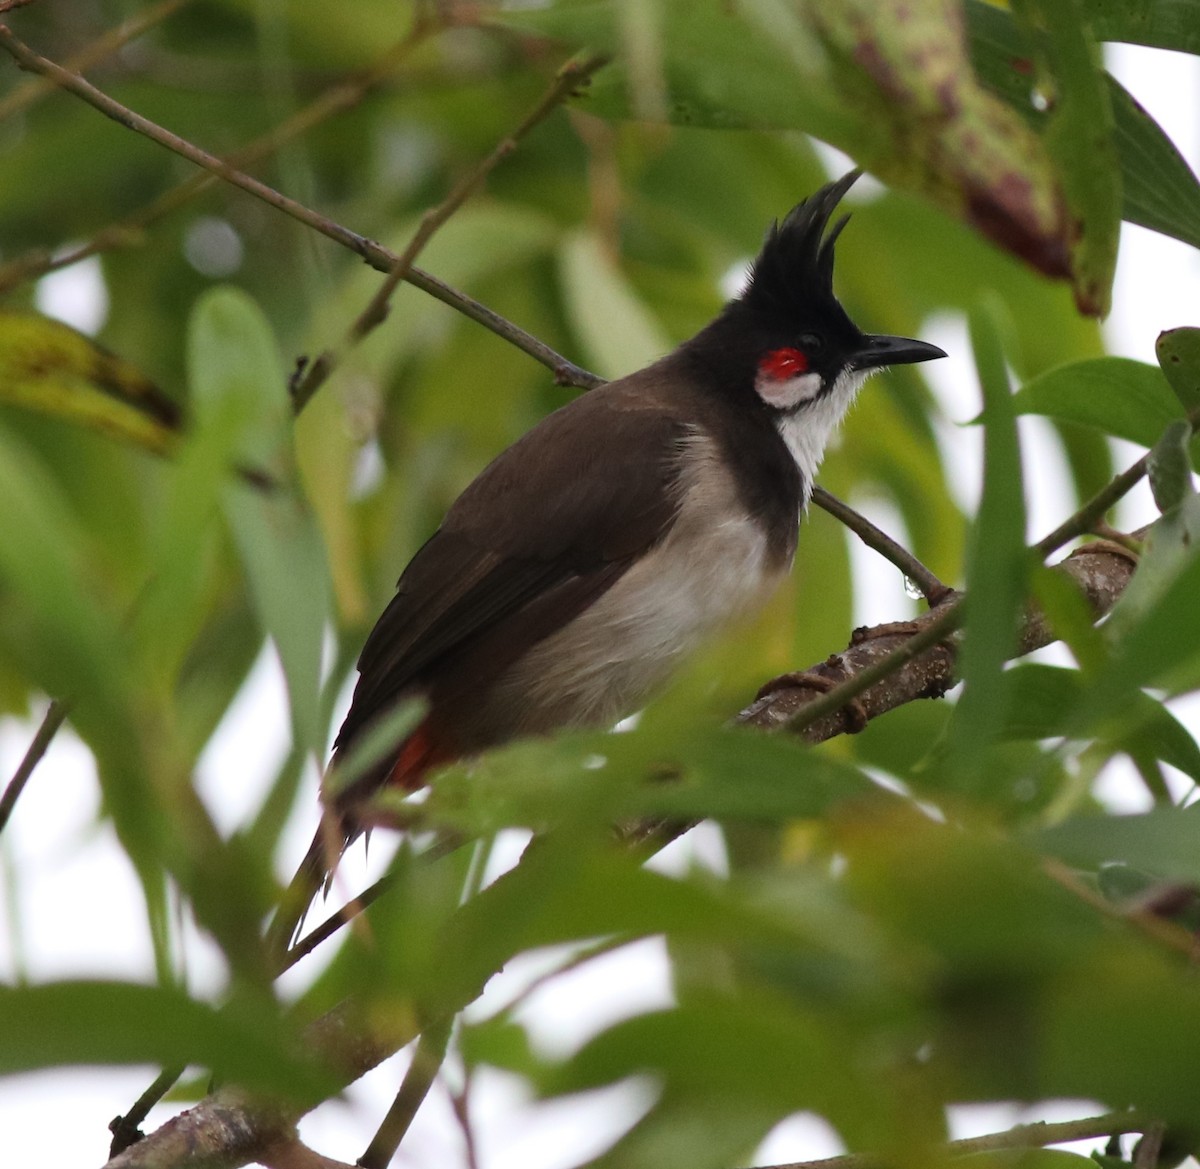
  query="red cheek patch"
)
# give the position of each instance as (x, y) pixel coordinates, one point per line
(781, 364)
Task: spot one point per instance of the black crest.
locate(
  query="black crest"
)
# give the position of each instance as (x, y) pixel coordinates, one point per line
(796, 262)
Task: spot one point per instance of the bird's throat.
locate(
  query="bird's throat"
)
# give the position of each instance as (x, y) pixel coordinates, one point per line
(806, 431)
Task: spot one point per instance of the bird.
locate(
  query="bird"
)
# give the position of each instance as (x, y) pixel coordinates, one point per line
(572, 577)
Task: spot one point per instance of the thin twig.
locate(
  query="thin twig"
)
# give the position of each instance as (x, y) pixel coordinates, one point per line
(461, 1103)
(1088, 518)
(1091, 512)
(426, 1064)
(1146, 1151)
(566, 373)
(829, 703)
(1157, 929)
(55, 716)
(932, 589)
(127, 1130)
(334, 922)
(128, 232)
(570, 77)
(1021, 1136)
(442, 846)
(103, 46)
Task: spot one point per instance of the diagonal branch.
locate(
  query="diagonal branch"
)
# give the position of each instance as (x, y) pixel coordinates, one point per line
(570, 77)
(103, 46)
(565, 372)
(127, 232)
(932, 589)
(1022, 1136)
(55, 716)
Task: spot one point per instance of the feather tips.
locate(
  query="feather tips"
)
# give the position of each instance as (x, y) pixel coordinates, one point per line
(796, 260)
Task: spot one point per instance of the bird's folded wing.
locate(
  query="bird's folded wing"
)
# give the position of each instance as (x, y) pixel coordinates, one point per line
(558, 517)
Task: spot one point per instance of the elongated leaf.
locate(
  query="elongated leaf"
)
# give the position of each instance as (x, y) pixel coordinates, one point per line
(284, 557)
(49, 367)
(64, 1024)
(1079, 136)
(1045, 699)
(1169, 548)
(44, 560)
(1169, 467)
(1161, 24)
(1124, 398)
(1159, 189)
(235, 369)
(1155, 628)
(998, 562)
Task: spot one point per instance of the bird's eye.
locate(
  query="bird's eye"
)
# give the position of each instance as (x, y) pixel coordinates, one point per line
(811, 343)
(781, 364)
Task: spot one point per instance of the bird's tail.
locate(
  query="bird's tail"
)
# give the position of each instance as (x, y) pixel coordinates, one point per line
(313, 874)
(419, 753)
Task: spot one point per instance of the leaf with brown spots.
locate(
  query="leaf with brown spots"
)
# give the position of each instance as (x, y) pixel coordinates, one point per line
(49, 367)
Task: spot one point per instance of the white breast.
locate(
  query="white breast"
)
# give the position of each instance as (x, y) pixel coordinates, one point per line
(711, 569)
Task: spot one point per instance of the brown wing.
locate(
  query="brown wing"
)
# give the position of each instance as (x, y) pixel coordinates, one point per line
(564, 510)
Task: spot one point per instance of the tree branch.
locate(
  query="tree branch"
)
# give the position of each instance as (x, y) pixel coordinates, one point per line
(1021, 1136)
(55, 716)
(103, 46)
(892, 664)
(570, 77)
(932, 589)
(426, 1064)
(566, 373)
(128, 232)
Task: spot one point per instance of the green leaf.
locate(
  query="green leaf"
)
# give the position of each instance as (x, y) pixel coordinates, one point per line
(1155, 628)
(770, 1056)
(1161, 192)
(112, 1023)
(1168, 550)
(1178, 352)
(1169, 466)
(46, 562)
(234, 370)
(1161, 24)
(1159, 189)
(1124, 398)
(1043, 705)
(1079, 136)
(887, 84)
(618, 333)
(998, 562)
(284, 558)
(1165, 842)
(235, 373)
(49, 367)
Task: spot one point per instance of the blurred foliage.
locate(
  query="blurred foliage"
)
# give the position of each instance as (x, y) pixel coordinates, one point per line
(975, 929)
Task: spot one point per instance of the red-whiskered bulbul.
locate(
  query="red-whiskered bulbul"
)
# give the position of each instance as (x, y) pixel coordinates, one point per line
(587, 560)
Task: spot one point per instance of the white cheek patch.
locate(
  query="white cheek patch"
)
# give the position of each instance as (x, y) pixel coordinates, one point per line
(784, 393)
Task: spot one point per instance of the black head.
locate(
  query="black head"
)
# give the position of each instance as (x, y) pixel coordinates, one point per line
(787, 331)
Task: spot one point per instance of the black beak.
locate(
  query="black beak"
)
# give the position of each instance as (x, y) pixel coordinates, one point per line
(880, 350)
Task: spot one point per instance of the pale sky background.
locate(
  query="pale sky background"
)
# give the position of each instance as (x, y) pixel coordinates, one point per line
(77, 910)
